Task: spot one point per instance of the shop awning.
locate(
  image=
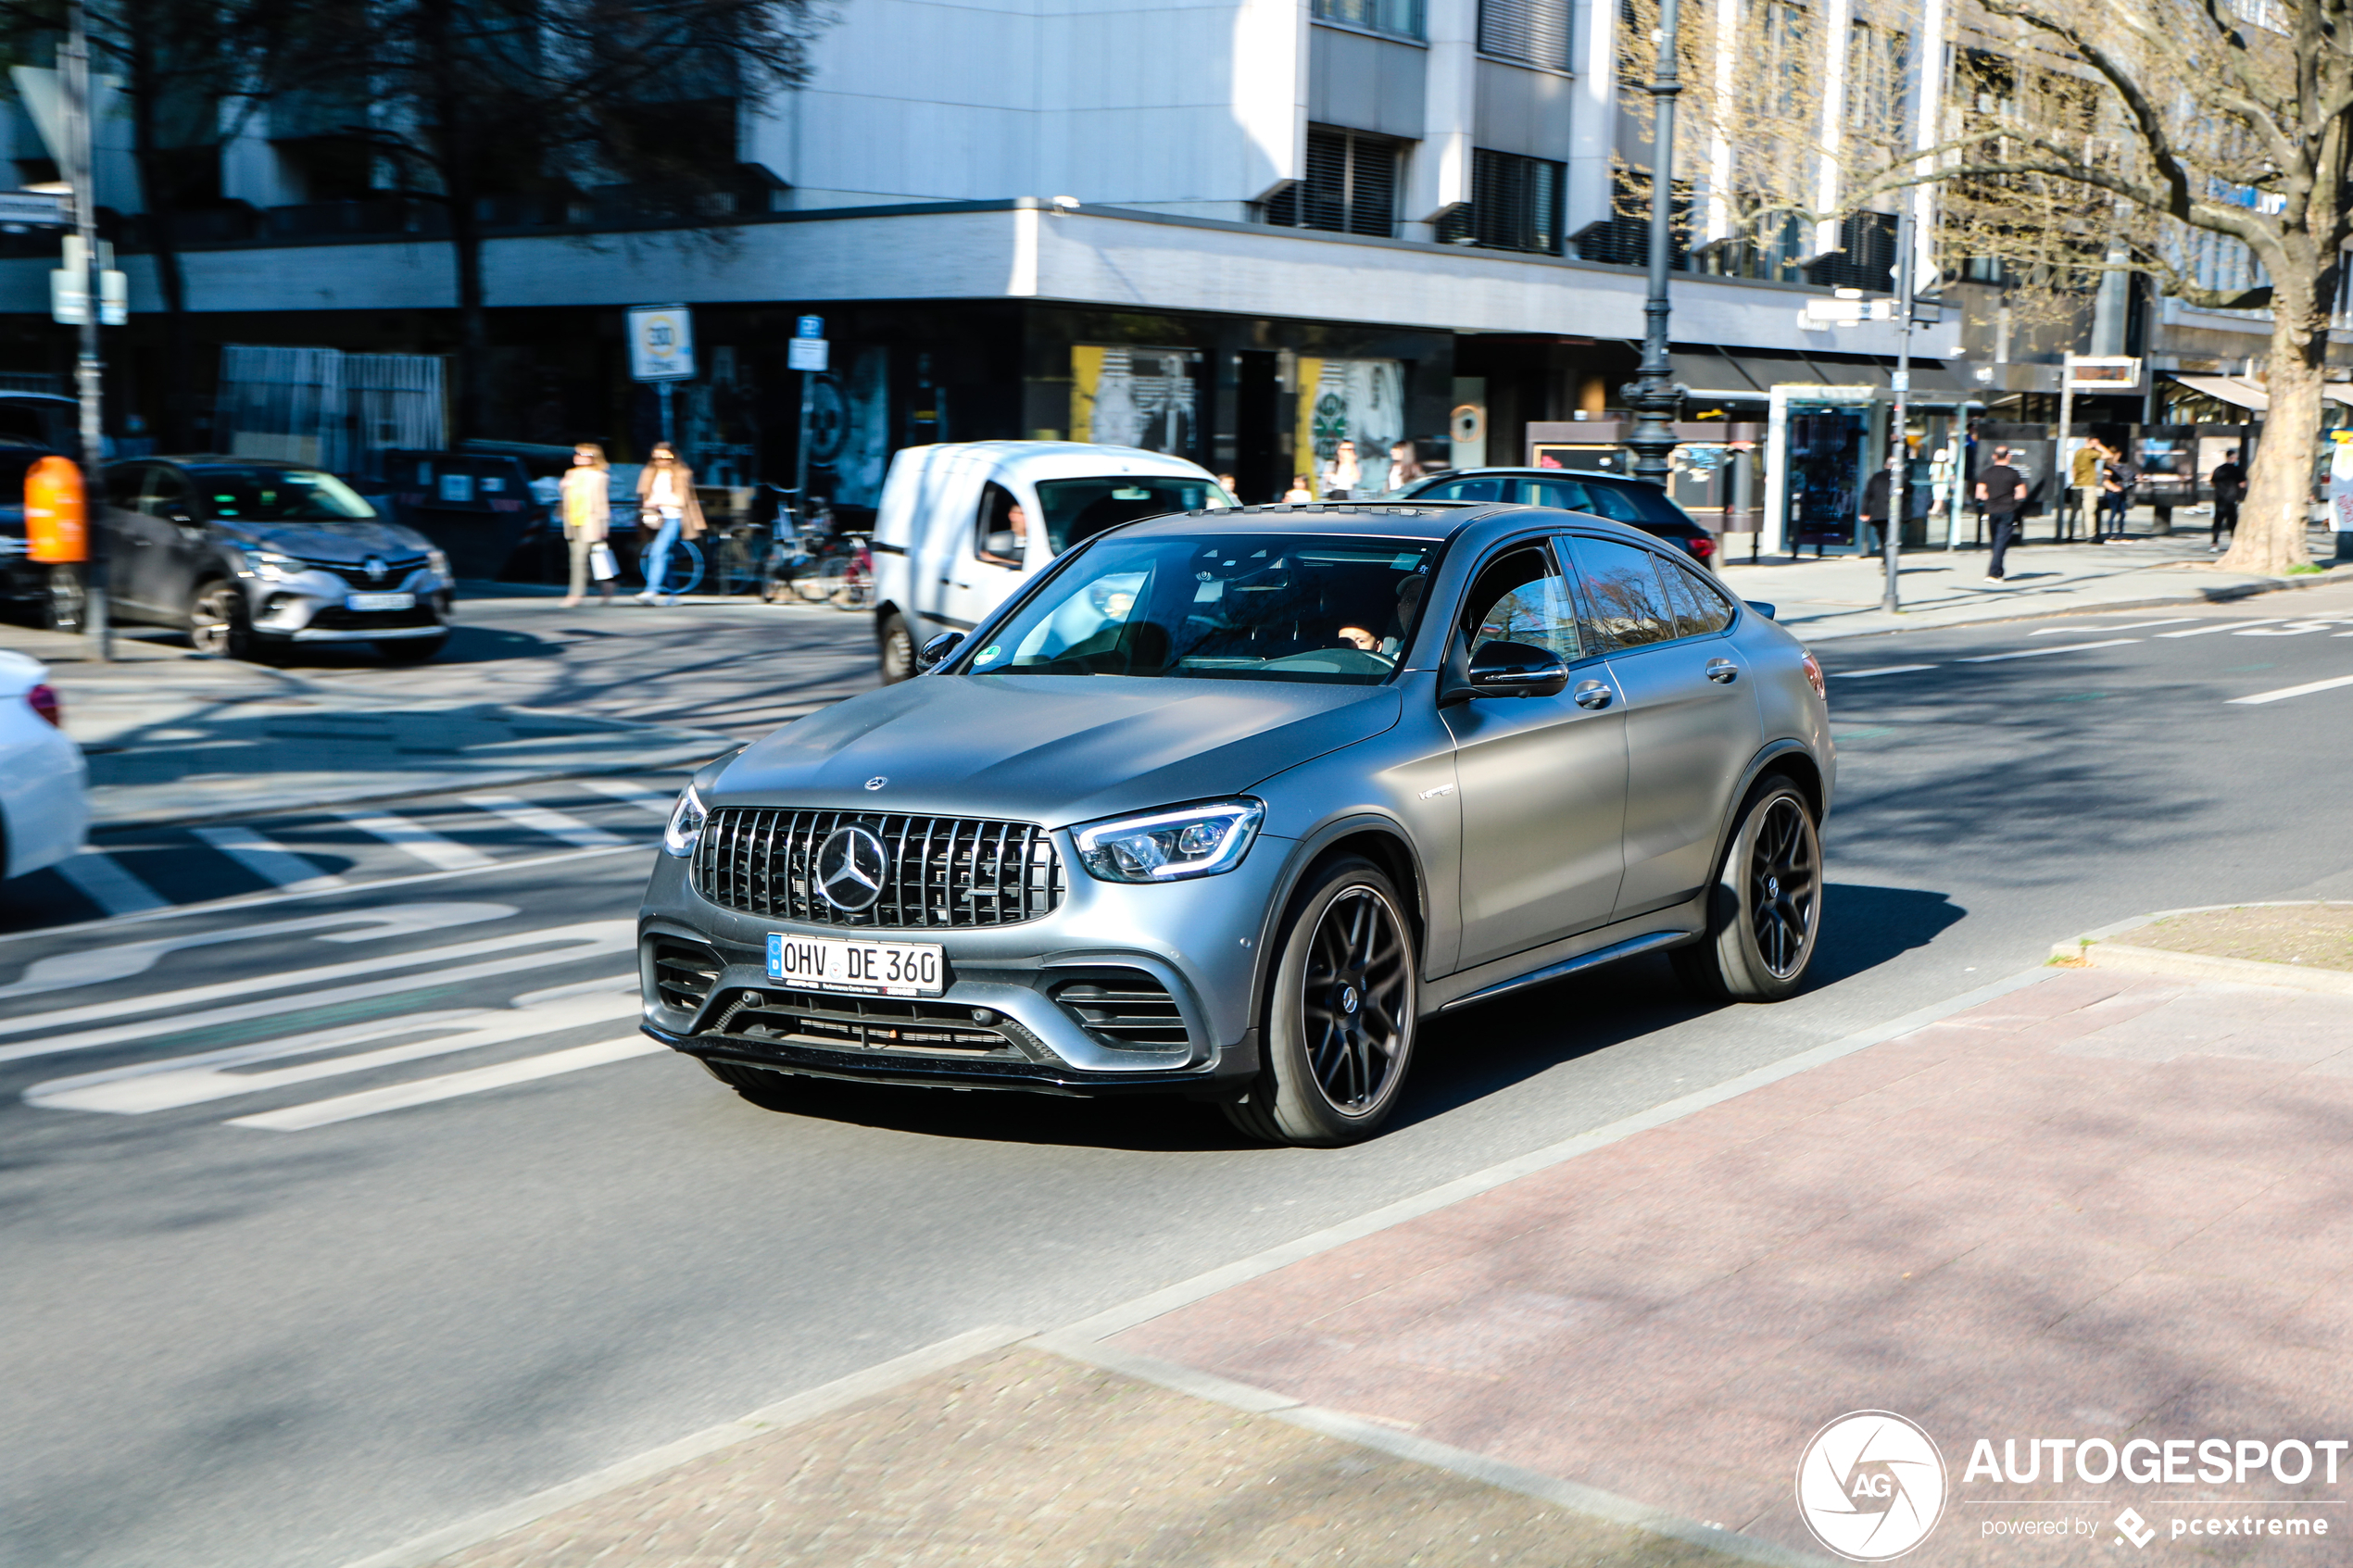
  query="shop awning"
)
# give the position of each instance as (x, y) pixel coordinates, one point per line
(2228, 389)
(1711, 373)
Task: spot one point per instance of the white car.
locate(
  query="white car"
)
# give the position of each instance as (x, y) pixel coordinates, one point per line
(960, 526)
(44, 804)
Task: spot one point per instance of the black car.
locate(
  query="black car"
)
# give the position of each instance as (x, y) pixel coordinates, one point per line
(251, 555)
(1635, 502)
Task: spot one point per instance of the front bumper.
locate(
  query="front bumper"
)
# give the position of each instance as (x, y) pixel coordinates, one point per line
(1020, 1008)
(314, 607)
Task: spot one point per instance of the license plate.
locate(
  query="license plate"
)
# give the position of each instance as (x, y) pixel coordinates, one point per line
(878, 969)
(380, 601)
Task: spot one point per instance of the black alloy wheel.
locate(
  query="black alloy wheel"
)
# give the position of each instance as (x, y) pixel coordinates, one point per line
(1340, 1014)
(1764, 909)
(897, 647)
(219, 624)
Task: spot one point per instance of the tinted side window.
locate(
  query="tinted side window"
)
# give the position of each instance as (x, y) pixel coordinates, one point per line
(165, 491)
(1697, 608)
(1622, 593)
(998, 528)
(1467, 490)
(1522, 597)
(1614, 504)
(1565, 494)
(123, 486)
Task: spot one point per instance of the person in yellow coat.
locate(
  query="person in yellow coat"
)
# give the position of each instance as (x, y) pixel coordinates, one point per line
(587, 503)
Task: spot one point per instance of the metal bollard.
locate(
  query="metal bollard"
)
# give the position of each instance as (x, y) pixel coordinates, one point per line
(98, 626)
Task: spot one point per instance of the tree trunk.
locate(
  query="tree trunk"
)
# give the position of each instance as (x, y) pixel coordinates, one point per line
(2279, 493)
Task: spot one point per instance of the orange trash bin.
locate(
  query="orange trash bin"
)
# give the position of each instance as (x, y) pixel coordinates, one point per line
(56, 516)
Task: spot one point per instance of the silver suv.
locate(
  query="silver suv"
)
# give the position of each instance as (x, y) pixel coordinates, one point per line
(1227, 803)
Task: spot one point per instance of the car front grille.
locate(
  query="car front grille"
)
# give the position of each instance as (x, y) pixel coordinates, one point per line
(1125, 1008)
(394, 572)
(950, 871)
(867, 1024)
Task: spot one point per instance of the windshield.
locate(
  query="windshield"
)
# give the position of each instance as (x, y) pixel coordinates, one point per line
(1243, 606)
(279, 495)
(1077, 510)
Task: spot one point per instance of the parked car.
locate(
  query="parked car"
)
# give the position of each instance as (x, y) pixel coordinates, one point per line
(1226, 803)
(45, 807)
(477, 508)
(1636, 502)
(254, 557)
(949, 545)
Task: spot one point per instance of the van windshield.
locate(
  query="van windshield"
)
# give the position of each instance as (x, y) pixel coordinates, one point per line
(1077, 510)
(1263, 606)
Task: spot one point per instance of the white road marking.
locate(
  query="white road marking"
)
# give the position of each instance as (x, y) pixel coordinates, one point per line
(424, 1091)
(418, 840)
(542, 819)
(588, 940)
(2221, 626)
(92, 966)
(168, 1085)
(2071, 648)
(2128, 626)
(2286, 692)
(1882, 669)
(2289, 629)
(267, 858)
(659, 805)
(98, 878)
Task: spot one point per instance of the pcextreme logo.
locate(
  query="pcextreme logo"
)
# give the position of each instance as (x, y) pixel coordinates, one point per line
(1871, 1485)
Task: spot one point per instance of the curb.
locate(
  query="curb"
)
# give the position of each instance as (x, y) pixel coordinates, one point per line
(2231, 594)
(2094, 950)
(1082, 1341)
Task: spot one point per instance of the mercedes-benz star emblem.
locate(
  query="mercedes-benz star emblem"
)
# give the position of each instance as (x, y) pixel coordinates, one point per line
(877, 782)
(376, 569)
(852, 864)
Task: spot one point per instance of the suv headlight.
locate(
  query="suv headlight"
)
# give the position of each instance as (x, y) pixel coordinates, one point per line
(1170, 846)
(269, 565)
(440, 565)
(685, 824)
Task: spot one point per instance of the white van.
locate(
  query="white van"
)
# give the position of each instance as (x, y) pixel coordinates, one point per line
(961, 526)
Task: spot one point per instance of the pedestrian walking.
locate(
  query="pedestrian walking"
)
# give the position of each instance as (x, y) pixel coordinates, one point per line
(585, 502)
(1342, 475)
(2118, 476)
(666, 503)
(1303, 490)
(2001, 490)
(1404, 466)
(2230, 488)
(1874, 511)
(2082, 487)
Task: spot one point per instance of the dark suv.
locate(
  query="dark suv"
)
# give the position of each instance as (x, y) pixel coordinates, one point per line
(1636, 502)
(252, 556)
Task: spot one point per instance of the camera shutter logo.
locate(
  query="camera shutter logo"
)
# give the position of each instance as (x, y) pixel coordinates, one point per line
(852, 864)
(1871, 1485)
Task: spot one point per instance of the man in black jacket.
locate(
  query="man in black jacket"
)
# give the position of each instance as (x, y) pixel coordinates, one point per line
(2230, 488)
(2001, 489)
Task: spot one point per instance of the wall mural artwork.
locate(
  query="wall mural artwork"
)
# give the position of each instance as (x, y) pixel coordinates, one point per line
(1358, 400)
(1134, 397)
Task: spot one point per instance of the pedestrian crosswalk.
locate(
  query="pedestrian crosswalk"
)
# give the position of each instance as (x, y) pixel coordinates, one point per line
(143, 871)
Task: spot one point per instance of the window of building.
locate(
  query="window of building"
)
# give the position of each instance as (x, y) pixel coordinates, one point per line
(1532, 32)
(1515, 205)
(1624, 238)
(1401, 18)
(1350, 186)
(1865, 258)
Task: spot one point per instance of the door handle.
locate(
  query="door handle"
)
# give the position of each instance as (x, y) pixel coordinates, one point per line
(943, 583)
(1723, 671)
(1594, 695)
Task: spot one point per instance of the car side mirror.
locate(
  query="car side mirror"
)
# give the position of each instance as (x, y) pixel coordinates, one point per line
(936, 650)
(1005, 541)
(1505, 670)
(1761, 608)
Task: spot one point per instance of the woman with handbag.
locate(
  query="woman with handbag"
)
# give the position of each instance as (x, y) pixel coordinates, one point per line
(666, 504)
(587, 501)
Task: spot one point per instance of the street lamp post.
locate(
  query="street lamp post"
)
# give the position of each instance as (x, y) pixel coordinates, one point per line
(1899, 450)
(1655, 399)
(74, 82)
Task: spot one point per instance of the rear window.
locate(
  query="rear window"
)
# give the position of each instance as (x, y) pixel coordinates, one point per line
(1077, 510)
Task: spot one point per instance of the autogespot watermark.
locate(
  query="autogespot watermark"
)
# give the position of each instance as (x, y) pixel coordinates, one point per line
(1872, 1485)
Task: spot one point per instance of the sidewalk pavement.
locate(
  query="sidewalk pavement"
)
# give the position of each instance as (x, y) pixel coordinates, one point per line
(173, 738)
(1838, 596)
(2091, 1205)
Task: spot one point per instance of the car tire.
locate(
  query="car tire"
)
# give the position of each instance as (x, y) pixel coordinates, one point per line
(1764, 908)
(219, 624)
(1341, 1014)
(896, 644)
(410, 650)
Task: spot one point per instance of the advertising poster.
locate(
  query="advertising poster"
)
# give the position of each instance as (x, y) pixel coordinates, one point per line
(1358, 400)
(1133, 397)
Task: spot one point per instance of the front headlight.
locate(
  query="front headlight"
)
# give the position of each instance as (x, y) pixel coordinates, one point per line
(271, 566)
(440, 564)
(1170, 846)
(685, 824)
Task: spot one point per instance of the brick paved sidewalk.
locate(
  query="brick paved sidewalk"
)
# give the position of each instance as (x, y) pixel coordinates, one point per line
(2107, 1205)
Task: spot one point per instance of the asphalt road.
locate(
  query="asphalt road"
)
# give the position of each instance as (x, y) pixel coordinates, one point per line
(303, 1265)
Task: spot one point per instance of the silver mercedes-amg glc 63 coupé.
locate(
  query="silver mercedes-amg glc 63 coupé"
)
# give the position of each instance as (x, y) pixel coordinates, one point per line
(1225, 804)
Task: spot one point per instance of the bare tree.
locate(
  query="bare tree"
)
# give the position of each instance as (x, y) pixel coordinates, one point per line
(473, 103)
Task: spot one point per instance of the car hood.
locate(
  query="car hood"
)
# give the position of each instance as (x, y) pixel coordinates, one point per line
(338, 544)
(1051, 749)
